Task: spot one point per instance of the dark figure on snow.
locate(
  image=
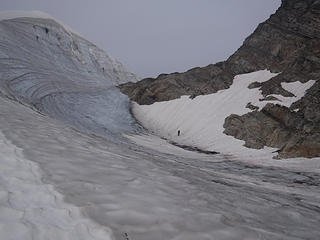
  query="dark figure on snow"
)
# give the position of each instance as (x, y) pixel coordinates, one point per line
(178, 132)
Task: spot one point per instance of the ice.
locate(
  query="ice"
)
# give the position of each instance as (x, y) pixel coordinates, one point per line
(64, 76)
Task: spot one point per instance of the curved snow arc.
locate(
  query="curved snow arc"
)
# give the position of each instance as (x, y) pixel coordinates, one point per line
(63, 75)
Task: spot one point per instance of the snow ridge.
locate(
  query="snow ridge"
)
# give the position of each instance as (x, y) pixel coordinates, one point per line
(7, 15)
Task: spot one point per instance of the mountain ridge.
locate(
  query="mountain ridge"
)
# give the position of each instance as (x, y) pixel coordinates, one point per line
(287, 43)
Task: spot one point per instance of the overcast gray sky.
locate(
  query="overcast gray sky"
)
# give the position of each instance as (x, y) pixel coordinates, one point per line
(158, 36)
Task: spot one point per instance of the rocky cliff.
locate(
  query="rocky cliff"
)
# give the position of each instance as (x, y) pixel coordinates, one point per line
(288, 42)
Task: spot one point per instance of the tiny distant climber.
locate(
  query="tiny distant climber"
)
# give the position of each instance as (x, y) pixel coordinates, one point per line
(126, 236)
(178, 133)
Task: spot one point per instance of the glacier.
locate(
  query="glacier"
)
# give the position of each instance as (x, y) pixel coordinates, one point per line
(63, 75)
(75, 163)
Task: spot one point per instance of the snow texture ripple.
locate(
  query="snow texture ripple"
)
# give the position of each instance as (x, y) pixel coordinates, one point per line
(33, 210)
(63, 75)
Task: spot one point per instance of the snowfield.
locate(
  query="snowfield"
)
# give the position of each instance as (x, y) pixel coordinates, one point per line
(200, 120)
(31, 209)
(142, 192)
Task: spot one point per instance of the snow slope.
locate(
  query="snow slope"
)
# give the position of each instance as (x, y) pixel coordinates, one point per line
(31, 209)
(201, 120)
(144, 193)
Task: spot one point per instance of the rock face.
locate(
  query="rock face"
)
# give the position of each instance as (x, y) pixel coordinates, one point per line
(288, 42)
(276, 126)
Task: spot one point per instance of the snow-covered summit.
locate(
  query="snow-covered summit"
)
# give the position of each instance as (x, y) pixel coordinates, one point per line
(7, 15)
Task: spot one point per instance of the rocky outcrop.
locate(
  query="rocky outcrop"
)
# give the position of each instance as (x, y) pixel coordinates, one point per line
(288, 42)
(197, 81)
(276, 126)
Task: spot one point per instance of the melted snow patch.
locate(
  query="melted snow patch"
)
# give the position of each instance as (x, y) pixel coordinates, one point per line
(201, 120)
(31, 209)
(298, 89)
